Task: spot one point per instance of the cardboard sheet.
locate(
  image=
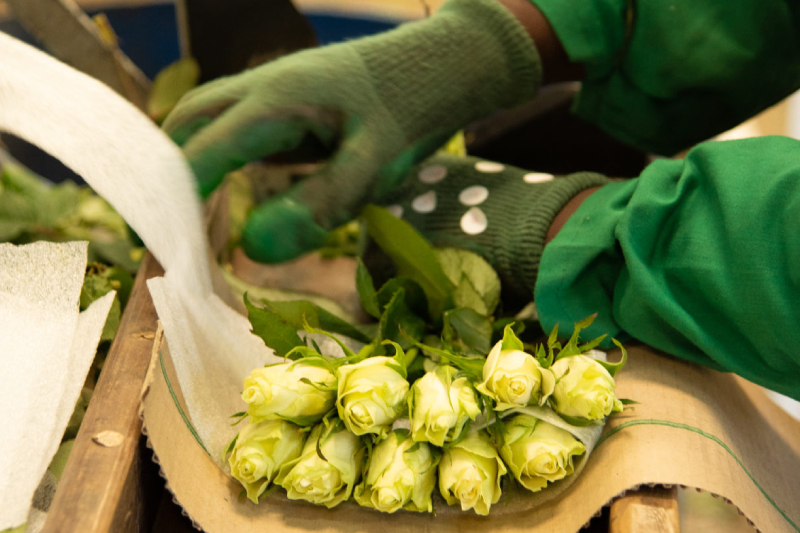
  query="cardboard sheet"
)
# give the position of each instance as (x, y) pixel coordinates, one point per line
(47, 350)
(694, 427)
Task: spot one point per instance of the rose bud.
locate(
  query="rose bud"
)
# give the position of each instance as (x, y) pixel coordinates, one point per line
(401, 475)
(584, 389)
(372, 395)
(296, 391)
(470, 473)
(537, 452)
(440, 406)
(260, 450)
(326, 480)
(514, 378)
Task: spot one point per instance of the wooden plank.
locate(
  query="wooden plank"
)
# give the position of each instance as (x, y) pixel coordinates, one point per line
(646, 510)
(71, 36)
(103, 488)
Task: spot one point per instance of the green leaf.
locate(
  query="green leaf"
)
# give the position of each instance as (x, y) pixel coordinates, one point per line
(322, 387)
(413, 255)
(510, 340)
(477, 285)
(366, 290)
(415, 296)
(472, 367)
(230, 446)
(613, 368)
(292, 313)
(119, 252)
(628, 401)
(401, 362)
(275, 333)
(170, 85)
(59, 207)
(474, 329)
(99, 281)
(349, 356)
(112, 322)
(398, 317)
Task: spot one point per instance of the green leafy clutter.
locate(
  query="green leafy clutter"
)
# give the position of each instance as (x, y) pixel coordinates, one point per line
(33, 209)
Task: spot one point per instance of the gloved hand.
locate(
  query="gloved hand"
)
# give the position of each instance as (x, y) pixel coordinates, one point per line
(380, 104)
(500, 212)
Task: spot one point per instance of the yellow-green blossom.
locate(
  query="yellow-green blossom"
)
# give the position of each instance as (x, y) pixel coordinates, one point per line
(260, 450)
(470, 473)
(440, 406)
(327, 481)
(514, 378)
(584, 389)
(372, 395)
(537, 452)
(279, 391)
(401, 475)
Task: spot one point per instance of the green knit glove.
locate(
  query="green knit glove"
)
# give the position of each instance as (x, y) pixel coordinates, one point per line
(500, 212)
(380, 104)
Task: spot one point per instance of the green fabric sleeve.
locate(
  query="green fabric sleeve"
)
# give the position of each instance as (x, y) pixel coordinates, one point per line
(697, 257)
(663, 75)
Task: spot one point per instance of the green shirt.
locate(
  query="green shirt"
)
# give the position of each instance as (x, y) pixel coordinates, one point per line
(699, 257)
(663, 75)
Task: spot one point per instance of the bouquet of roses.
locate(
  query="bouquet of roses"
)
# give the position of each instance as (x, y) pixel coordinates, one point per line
(411, 410)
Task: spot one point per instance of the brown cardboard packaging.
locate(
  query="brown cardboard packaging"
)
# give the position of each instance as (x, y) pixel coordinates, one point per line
(693, 427)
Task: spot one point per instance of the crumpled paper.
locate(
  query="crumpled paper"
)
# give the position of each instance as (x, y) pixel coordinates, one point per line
(46, 350)
(142, 173)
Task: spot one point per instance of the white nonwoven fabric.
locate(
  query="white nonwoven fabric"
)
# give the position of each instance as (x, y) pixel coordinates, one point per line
(142, 173)
(114, 147)
(46, 350)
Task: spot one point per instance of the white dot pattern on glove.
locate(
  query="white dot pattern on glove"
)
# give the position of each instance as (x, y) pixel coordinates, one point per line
(396, 210)
(474, 221)
(490, 167)
(432, 174)
(475, 195)
(537, 177)
(424, 203)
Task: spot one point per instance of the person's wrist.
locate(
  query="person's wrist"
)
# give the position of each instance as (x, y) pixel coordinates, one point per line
(566, 212)
(556, 66)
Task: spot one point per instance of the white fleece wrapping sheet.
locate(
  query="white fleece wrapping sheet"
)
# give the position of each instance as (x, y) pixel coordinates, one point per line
(143, 174)
(46, 350)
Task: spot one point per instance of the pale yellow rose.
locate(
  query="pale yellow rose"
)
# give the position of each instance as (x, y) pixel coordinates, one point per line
(327, 481)
(277, 391)
(514, 378)
(470, 473)
(440, 406)
(259, 452)
(537, 452)
(584, 389)
(372, 395)
(401, 475)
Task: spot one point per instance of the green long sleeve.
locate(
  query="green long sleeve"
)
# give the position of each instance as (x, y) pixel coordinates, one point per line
(664, 75)
(697, 257)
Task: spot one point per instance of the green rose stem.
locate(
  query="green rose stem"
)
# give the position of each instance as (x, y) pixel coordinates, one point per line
(440, 404)
(260, 450)
(299, 391)
(328, 468)
(537, 452)
(401, 474)
(470, 473)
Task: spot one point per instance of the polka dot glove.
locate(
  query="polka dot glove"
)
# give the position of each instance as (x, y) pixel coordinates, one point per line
(379, 104)
(499, 212)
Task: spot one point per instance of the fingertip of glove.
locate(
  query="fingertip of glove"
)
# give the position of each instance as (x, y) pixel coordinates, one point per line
(281, 230)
